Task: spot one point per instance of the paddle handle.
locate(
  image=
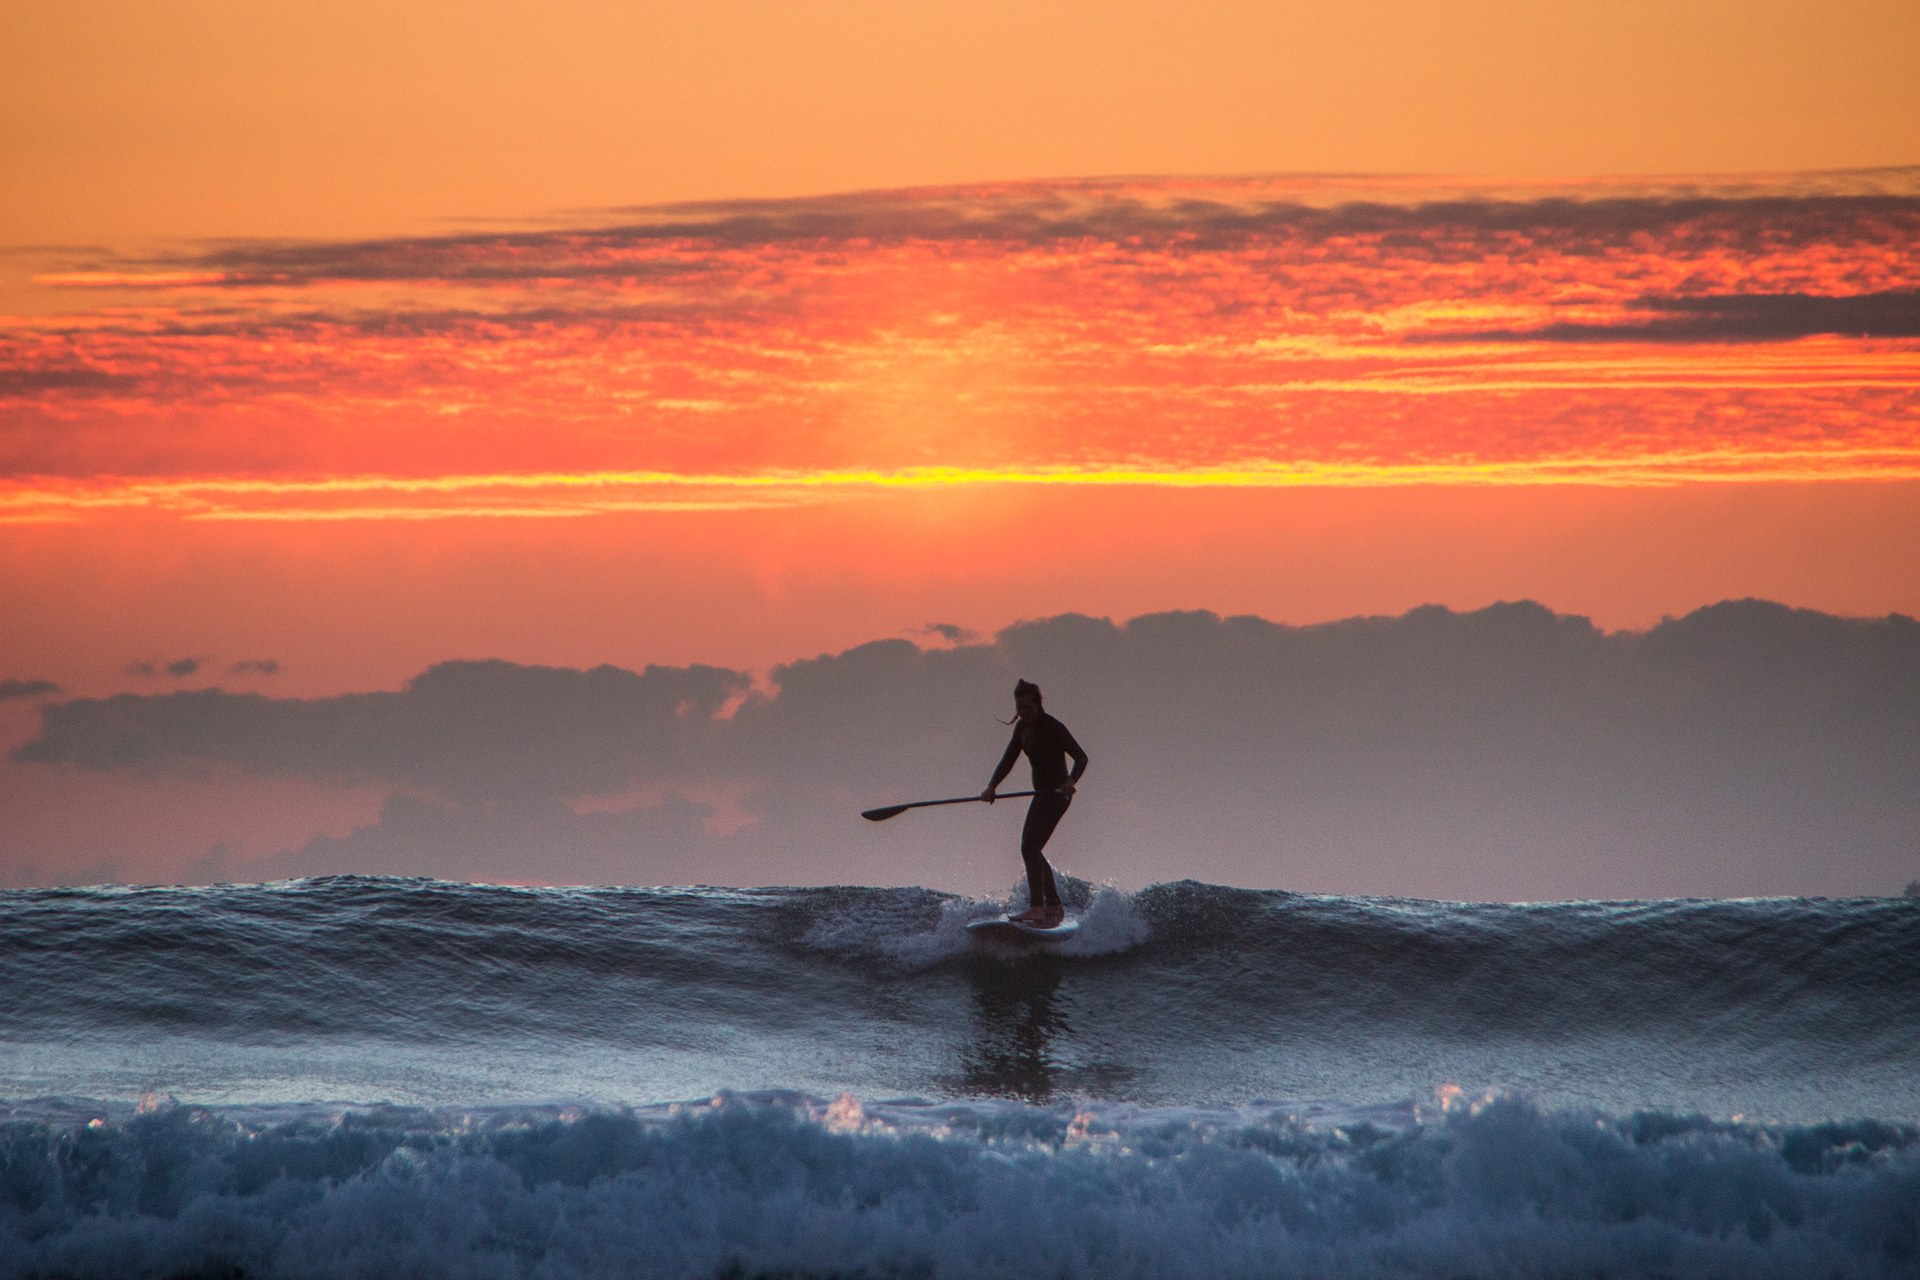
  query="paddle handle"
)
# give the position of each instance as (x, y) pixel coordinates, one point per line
(893, 810)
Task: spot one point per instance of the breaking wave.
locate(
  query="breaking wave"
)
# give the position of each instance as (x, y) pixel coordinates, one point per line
(785, 1185)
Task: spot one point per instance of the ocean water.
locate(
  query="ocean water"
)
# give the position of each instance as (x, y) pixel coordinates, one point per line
(354, 1076)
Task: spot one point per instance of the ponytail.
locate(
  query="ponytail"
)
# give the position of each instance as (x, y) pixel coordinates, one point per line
(1026, 688)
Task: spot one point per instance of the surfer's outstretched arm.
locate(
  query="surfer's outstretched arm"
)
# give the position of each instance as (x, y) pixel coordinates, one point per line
(1001, 770)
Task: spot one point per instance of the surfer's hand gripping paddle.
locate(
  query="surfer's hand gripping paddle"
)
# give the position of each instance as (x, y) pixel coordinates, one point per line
(893, 810)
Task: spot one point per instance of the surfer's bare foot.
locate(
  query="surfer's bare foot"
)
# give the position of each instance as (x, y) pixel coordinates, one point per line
(1053, 916)
(1032, 915)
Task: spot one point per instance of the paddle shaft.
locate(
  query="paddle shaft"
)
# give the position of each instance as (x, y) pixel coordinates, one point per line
(894, 810)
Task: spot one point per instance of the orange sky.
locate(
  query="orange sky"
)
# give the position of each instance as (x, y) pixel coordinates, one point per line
(338, 340)
(222, 118)
(785, 419)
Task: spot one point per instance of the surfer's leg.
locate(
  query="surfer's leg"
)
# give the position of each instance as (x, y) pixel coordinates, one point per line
(1042, 892)
(1043, 815)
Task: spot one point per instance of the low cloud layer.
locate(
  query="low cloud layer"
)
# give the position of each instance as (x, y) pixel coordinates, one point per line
(1507, 753)
(475, 731)
(12, 688)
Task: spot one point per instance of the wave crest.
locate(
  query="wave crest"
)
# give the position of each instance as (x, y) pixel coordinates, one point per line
(912, 933)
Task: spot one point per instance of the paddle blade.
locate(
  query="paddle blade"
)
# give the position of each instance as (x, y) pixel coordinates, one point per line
(881, 815)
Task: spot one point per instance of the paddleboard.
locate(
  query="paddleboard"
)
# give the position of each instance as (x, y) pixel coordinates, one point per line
(1008, 929)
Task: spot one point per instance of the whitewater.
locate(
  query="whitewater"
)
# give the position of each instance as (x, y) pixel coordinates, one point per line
(363, 1076)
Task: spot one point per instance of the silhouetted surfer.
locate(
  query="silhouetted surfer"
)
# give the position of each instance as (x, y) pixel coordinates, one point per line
(1047, 744)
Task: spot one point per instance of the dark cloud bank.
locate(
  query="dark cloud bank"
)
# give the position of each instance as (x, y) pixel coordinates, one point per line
(1507, 753)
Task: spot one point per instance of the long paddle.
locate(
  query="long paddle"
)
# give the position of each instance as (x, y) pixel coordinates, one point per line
(881, 815)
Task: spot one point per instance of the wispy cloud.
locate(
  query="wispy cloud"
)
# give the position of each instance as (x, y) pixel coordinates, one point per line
(31, 382)
(1759, 317)
(12, 688)
(1203, 331)
(179, 668)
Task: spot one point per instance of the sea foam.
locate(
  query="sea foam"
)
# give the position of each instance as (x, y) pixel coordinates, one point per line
(904, 933)
(784, 1184)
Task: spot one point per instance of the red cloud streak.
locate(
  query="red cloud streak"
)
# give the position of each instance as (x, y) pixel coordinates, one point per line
(1144, 332)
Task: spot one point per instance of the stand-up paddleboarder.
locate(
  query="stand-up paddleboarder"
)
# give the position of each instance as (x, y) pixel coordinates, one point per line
(1047, 744)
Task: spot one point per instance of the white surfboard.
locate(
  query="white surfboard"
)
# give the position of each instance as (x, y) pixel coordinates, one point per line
(1008, 929)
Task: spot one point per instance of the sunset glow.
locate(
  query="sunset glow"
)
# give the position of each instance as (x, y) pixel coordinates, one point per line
(525, 530)
(1141, 333)
(338, 343)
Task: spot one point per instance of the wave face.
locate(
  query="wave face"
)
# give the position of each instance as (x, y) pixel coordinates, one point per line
(367, 1076)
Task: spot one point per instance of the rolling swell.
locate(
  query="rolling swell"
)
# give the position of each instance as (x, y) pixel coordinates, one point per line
(1843, 971)
(448, 994)
(325, 956)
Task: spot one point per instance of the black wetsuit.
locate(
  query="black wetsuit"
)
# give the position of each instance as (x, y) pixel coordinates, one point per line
(1047, 744)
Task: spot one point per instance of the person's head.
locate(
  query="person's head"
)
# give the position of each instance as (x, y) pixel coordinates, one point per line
(1026, 700)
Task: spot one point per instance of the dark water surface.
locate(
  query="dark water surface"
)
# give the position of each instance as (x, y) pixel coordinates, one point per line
(325, 1077)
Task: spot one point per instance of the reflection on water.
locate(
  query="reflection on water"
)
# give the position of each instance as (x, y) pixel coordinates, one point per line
(1015, 1021)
